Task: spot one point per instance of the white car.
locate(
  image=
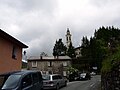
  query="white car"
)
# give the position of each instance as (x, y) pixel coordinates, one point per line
(92, 73)
(85, 76)
(54, 81)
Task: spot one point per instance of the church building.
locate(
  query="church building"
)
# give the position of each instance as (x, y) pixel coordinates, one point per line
(69, 40)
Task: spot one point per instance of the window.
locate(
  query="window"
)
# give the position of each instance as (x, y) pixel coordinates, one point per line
(55, 77)
(64, 64)
(27, 81)
(49, 72)
(50, 64)
(64, 73)
(11, 82)
(46, 77)
(59, 76)
(35, 78)
(67, 38)
(34, 64)
(14, 53)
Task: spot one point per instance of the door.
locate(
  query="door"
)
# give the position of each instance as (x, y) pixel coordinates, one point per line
(36, 84)
(26, 83)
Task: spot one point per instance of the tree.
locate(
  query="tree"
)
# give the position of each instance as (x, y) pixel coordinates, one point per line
(72, 70)
(71, 51)
(43, 54)
(59, 48)
(106, 40)
(85, 47)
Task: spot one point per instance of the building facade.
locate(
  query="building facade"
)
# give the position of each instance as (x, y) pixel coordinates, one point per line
(50, 64)
(78, 52)
(10, 53)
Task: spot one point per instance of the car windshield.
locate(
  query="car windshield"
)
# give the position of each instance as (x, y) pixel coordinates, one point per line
(46, 77)
(11, 82)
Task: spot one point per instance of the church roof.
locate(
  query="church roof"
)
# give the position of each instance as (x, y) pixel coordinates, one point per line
(68, 30)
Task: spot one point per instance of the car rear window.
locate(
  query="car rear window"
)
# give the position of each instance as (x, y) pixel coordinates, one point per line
(55, 77)
(11, 82)
(83, 74)
(46, 77)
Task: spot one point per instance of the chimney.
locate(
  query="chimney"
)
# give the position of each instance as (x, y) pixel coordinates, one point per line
(54, 57)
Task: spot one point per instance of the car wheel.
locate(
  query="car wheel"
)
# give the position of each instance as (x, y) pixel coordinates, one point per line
(57, 87)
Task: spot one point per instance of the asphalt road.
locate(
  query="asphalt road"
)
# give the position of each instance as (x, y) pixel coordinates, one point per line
(92, 84)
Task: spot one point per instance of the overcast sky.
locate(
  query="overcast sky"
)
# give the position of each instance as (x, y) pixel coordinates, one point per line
(39, 23)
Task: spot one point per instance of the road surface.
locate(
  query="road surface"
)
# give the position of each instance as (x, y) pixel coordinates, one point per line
(84, 85)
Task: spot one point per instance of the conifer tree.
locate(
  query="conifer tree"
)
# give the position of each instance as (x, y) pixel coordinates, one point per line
(59, 48)
(71, 51)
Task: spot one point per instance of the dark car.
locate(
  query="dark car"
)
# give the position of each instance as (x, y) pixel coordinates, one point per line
(73, 77)
(21, 80)
(85, 76)
(53, 81)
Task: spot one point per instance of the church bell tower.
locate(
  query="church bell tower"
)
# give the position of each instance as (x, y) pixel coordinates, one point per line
(68, 38)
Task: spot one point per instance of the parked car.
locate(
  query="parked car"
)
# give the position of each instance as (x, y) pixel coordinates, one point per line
(53, 81)
(92, 73)
(73, 77)
(85, 76)
(21, 80)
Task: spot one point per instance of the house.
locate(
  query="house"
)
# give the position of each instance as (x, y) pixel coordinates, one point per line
(10, 53)
(78, 52)
(50, 64)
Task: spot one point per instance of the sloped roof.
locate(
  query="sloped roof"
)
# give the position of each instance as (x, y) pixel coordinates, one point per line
(12, 39)
(49, 58)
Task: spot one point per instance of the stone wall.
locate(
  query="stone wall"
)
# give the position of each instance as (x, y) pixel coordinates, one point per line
(56, 67)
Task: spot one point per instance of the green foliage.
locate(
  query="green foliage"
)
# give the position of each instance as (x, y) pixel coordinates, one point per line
(85, 47)
(59, 48)
(110, 38)
(102, 45)
(106, 65)
(71, 51)
(71, 69)
(111, 61)
(107, 34)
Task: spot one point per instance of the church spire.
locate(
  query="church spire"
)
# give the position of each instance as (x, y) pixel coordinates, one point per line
(68, 38)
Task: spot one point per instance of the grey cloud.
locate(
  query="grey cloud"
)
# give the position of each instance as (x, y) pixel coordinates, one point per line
(100, 3)
(39, 23)
(30, 5)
